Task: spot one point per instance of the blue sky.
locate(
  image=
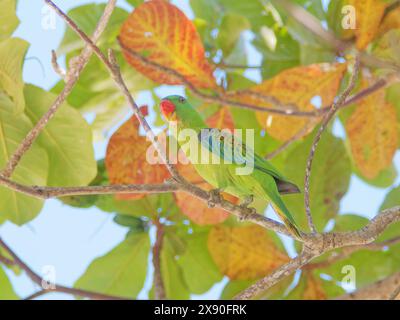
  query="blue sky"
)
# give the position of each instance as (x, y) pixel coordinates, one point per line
(67, 238)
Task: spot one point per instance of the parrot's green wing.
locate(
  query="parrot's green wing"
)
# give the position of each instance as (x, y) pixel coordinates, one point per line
(231, 149)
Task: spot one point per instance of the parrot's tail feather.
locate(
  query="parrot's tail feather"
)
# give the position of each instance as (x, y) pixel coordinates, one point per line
(285, 187)
(292, 228)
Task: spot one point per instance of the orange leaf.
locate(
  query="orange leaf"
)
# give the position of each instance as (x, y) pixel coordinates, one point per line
(296, 86)
(126, 161)
(161, 33)
(222, 119)
(372, 131)
(197, 210)
(313, 289)
(369, 14)
(244, 253)
(391, 21)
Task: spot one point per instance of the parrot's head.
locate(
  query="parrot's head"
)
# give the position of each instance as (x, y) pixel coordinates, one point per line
(176, 109)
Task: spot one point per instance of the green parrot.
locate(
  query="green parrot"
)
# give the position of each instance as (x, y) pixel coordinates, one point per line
(220, 158)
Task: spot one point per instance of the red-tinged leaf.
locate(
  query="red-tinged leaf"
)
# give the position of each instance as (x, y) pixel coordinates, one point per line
(161, 33)
(126, 159)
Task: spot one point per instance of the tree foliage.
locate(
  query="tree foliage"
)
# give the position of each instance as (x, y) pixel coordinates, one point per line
(157, 44)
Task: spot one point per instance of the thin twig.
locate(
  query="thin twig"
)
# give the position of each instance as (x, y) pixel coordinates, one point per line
(280, 108)
(71, 78)
(305, 18)
(383, 289)
(159, 289)
(302, 132)
(341, 99)
(37, 294)
(395, 293)
(57, 68)
(57, 288)
(115, 72)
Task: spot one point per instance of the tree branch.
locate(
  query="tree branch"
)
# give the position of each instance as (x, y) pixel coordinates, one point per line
(348, 251)
(317, 244)
(281, 108)
(71, 78)
(274, 277)
(58, 288)
(115, 72)
(305, 18)
(159, 290)
(385, 289)
(341, 99)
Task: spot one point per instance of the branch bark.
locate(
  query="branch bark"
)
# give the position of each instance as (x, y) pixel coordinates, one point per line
(317, 244)
(381, 290)
(159, 289)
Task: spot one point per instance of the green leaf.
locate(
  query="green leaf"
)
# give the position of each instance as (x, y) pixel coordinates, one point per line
(120, 272)
(199, 269)
(135, 3)
(392, 199)
(330, 177)
(8, 18)
(388, 47)
(86, 17)
(232, 26)
(149, 206)
(310, 54)
(172, 275)
(67, 138)
(335, 16)
(234, 287)
(32, 170)
(6, 290)
(285, 55)
(135, 224)
(12, 54)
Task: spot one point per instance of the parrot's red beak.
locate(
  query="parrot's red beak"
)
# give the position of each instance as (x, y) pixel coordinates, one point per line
(167, 109)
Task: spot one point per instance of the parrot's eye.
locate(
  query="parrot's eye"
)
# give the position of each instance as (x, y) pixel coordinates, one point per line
(182, 99)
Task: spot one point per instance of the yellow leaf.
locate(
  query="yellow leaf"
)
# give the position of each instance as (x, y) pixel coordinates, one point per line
(372, 131)
(161, 33)
(391, 21)
(296, 86)
(244, 253)
(369, 14)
